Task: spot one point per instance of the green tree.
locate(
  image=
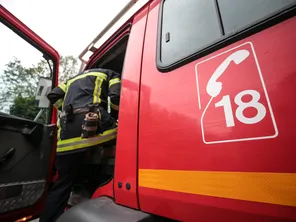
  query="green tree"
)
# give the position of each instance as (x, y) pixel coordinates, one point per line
(17, 80)
(25, 107)
(68, 67)
(19, 85)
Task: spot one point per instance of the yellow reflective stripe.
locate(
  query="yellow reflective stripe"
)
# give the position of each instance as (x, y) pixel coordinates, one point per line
(76, 139)
(59, 129)
(113, 106)
(97, 74)
(63, 87)
(58, 103)
(98, 90)
(114, 81)
(89, 144)
(77, 143)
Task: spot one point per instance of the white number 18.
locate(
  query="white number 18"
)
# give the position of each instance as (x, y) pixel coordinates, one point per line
(226, 103)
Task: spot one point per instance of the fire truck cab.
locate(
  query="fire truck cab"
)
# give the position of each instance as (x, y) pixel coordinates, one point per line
(206, 128)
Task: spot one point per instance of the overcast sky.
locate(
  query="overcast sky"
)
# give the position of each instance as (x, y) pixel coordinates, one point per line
(68, 26)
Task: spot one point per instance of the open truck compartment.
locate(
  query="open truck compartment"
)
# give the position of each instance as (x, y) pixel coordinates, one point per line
(98, 168)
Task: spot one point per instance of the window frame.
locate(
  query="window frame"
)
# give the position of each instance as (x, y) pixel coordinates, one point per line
(225, 40)
(46, 55)
(103, 53)
(109, 44)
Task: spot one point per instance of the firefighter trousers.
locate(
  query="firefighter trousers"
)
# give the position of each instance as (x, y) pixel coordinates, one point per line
(58, 195)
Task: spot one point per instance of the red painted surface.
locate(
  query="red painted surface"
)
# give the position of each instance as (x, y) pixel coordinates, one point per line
(170, 127)
(55, 177)
(240, 94)
(106, 190)
(170, 135)
(21, 27)
(192, 208)
(126, 149)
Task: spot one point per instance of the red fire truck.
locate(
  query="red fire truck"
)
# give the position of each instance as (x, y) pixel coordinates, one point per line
(206, 128)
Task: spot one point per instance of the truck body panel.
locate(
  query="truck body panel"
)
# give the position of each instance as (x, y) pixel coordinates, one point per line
(208, 135)
(230, 172)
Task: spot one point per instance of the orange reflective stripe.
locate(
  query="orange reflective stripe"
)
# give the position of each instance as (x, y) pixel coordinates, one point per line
(272, 188)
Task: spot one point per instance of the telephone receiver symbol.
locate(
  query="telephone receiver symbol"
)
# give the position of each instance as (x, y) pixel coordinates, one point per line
(213, 87)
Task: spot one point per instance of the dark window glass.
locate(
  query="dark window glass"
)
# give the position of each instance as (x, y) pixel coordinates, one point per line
(40, 90)
(187, 26)
(237, 14)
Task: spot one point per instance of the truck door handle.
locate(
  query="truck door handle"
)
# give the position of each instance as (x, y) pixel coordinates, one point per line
(7, 156)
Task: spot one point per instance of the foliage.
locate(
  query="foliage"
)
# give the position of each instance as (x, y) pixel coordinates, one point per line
(25, 107)
(18, 85)
(68, 67)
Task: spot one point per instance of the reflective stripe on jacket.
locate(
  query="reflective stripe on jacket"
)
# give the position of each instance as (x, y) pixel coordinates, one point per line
(78, 142)
(90, 87)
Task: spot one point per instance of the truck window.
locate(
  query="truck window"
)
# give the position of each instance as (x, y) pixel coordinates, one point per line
(190, 27)
(114, 58)
(186, 27)
(21, 69)
(248, 12)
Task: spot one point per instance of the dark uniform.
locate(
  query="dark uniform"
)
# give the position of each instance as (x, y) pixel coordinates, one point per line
(81, 95)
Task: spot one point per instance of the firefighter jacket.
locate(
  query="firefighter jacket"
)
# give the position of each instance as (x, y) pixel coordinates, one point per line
(91, 87)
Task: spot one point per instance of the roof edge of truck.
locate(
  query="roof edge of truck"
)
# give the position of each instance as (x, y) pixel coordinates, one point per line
(120, 19)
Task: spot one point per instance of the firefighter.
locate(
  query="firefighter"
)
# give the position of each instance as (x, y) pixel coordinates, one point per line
(84, 122)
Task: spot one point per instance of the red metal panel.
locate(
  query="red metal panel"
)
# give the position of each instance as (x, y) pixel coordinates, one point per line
(106, 190)
(192, 208)
(170, 135)
(126, 150)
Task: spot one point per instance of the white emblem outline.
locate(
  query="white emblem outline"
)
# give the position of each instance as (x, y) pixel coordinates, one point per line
(264, 89)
